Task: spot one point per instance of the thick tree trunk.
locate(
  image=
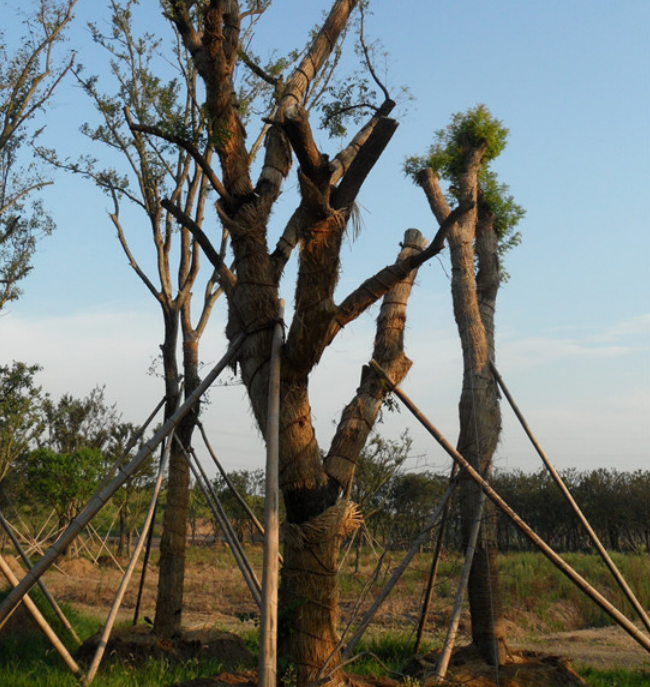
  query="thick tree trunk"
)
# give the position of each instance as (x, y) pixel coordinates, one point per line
(317, 518)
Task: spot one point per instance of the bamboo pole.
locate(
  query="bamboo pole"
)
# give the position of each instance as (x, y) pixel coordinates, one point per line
(222, 519)
(452, 630)
(46, 592)
(557, 560)
(40, 620)
(31, 545)
(227, 480)
(147, 553)
(103, 546)
(100, 499)
(433, 572)
(267, 668)
(567, 494)
(397, 573)
(112, 615)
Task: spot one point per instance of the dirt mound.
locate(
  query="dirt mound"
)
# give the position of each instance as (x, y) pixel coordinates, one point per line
(525, 669)
(245, 679)
(136, 644)
(466, 668)
(77, 567)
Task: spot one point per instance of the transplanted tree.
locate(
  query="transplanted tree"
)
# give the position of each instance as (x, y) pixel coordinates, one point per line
(150, 172)
(314, 485)
(29, 75)
(462, 155)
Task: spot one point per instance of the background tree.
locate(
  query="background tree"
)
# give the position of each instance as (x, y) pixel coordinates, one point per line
(154, 81)
(30, 71)
(20, 412)
(249, 484)
(462, 155)
(74, 423)
(69, 461)
(64, 481)
(377, 467)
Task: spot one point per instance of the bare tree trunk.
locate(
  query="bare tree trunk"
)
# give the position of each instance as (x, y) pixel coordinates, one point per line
(169, 600)
(479, 413)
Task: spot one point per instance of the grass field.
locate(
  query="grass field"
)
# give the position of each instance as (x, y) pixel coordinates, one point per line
(539, 602)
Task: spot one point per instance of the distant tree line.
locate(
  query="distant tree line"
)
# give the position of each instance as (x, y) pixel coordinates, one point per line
(53, 455)
(616, 503)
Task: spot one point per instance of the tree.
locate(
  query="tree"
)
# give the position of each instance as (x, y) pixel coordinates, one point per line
(74, 423)
(65, 481)
(20, 412)
(462, 155)
(151, 172)
(29, 75)
(314, 489)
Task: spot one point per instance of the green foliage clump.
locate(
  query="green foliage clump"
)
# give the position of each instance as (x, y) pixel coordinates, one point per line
(467, 131)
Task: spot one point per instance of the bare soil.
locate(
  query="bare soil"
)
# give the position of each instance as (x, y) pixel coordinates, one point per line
(219, 608)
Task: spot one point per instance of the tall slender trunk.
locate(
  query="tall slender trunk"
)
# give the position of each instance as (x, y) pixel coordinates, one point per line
(474, 299)
(172, 542)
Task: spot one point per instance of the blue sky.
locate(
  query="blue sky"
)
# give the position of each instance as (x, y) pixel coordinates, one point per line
(571, 81)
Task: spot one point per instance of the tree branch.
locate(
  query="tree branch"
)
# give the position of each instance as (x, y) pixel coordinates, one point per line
(363, 162)
(427, 179)
(226, 278)
(187, 146)
(376, 286)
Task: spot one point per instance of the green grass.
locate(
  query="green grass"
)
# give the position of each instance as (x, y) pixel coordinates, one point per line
(530, 582)
(384, 654)
(616, 678)
(27, 659)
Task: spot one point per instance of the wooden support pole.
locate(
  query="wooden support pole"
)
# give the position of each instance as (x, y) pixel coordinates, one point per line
(433, 571)
(557, 560)
(99, 500)
(112, 615)
(452, 630)
(257, 524)
(219, 513)
(631, 597)
(267, 668)
(40, 620)
(397, 573)
(46, 592)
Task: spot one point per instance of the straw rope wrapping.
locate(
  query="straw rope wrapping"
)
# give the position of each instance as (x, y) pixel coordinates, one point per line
(340, 520)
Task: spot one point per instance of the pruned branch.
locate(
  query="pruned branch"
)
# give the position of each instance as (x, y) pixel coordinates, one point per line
(363, 162)
(360, 414)
(341, 163)
(428, 180)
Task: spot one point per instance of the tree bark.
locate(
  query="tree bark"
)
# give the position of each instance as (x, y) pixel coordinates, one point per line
(474, 299)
